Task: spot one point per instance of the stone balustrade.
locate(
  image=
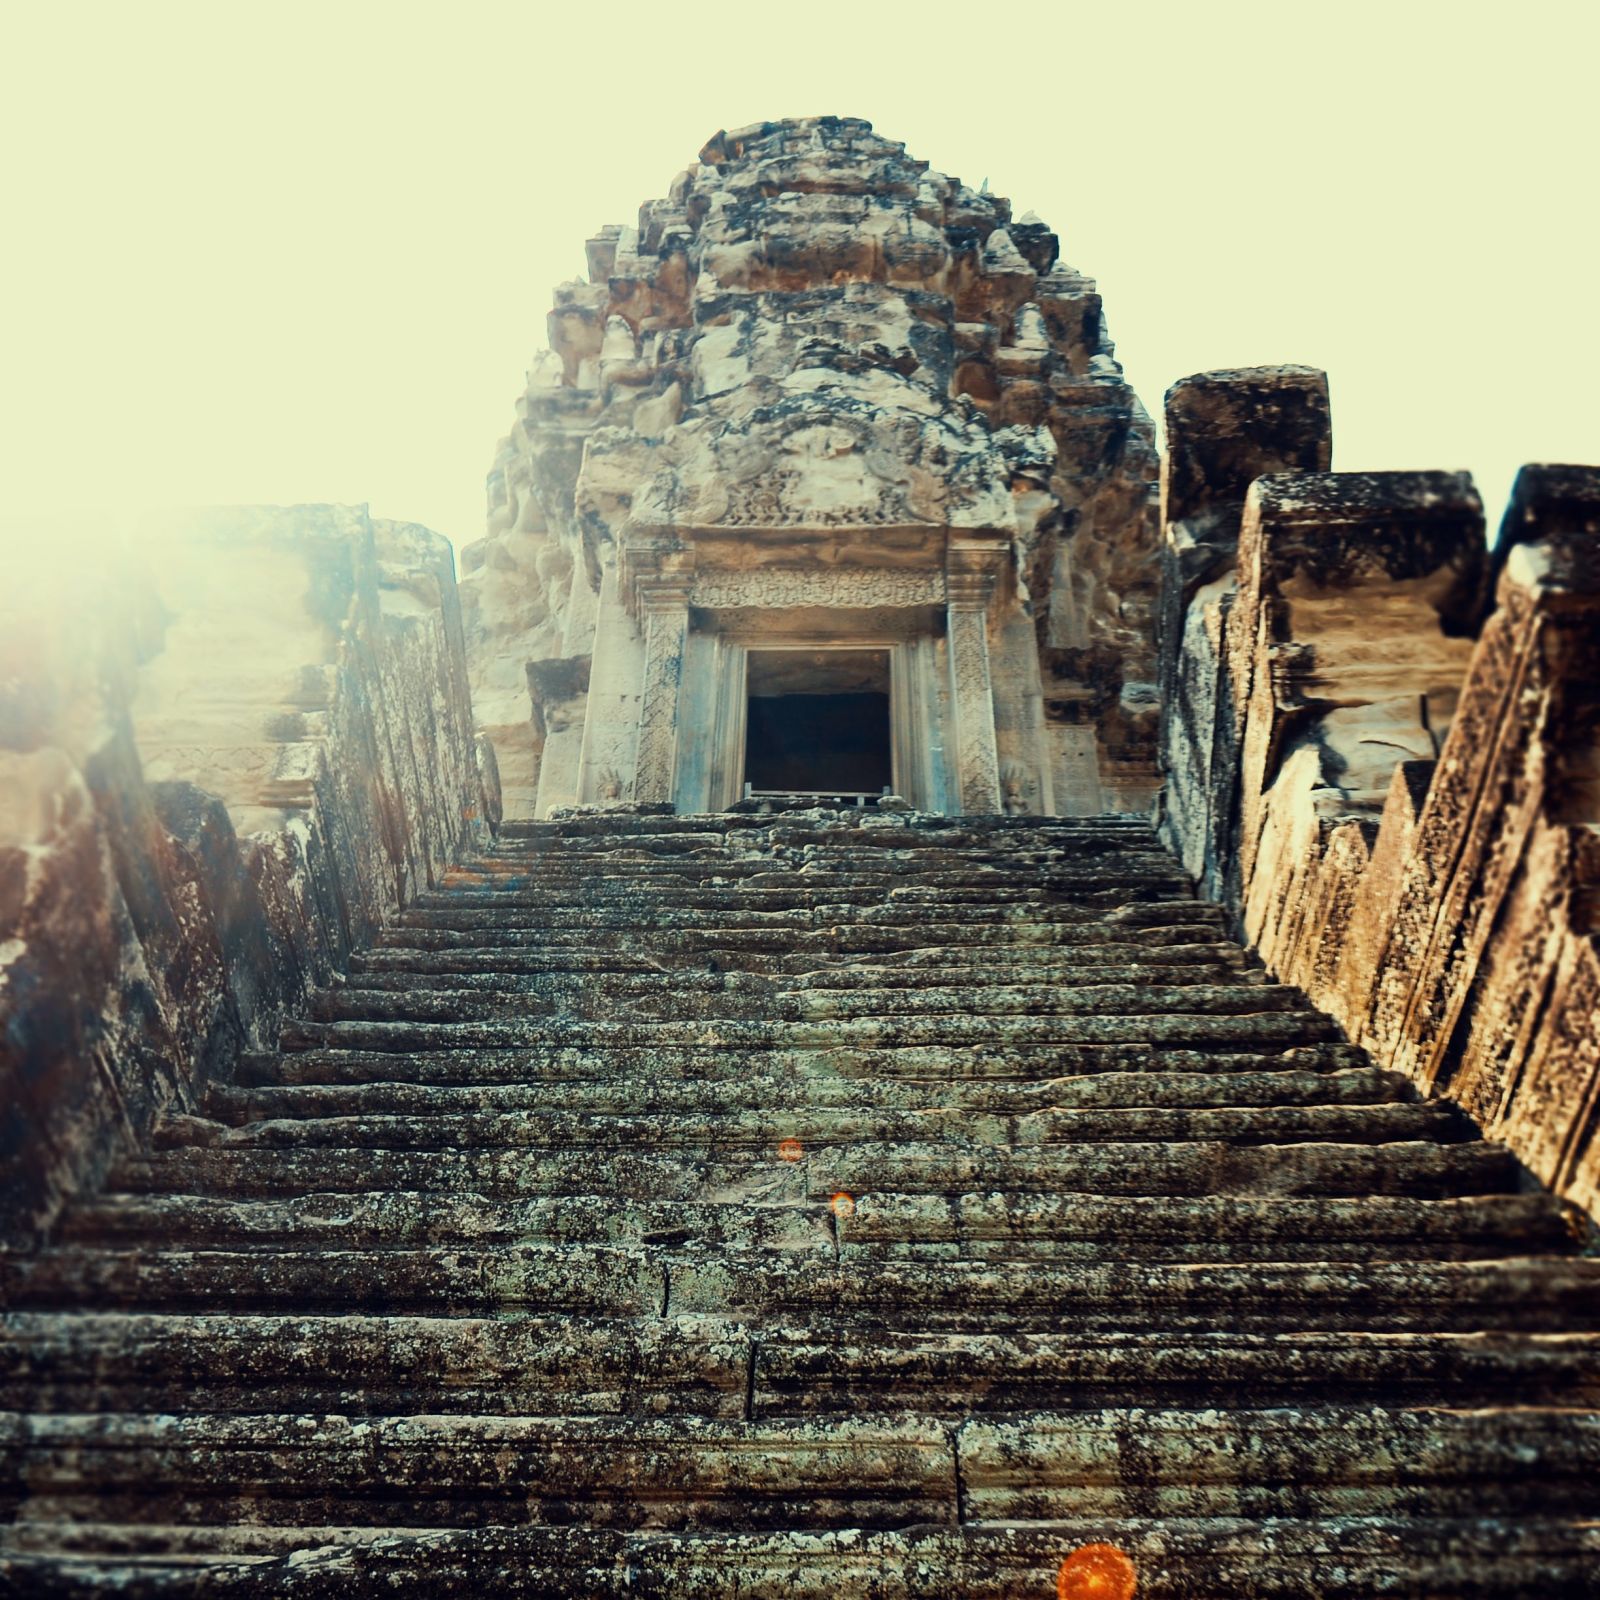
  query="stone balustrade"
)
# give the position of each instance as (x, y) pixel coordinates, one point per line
(1380, 747)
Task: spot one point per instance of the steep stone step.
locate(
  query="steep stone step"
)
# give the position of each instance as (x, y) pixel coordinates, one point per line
(479, 1282)
(1246, 1028)
(546, 1365)
(946, 1066)
(749, 998)
(1203, 1227)
(375, 1364)
(828, 937)
(1113, 906)
(849, 1472)
(502, 1278)
(1322, 1461)
(871, 1225)
(913, 874)
(797, 948)
(395, 1219)
(566, 1365)
(818, 969)
(1212, 1558)
(467, 1470)
(819, 1127)
(1086, 886)
(1518, 1295)
(837, 1369)
(266, 1174)
(727, 827)
(773, 1093)
(1195, 1166)
(661, 988)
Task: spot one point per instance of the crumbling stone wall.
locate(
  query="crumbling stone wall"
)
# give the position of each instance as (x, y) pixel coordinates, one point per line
(224, 761)
(1380, 749)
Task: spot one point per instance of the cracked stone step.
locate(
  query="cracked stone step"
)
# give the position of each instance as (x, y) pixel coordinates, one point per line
(821, 1369)
(570, 1365)
(1214, 1558)
(600, 1471)
(1208, 1227)
(1243, 1028)
(961, 942)
(847, 1472)
(408, 1218)
(1305, 1462)
(1516, 1295)
(747, 999)
(625, 1096)
(759, 880)
(527, 1174)
(502, 1278)
(665, 987)
(757, 1173)
(1090, 907)
(876, 1225)
(598, 894)
(367, 1364)
(812, 971)
(947, 1067)
(827, 937)
(1408, 1167)
(819, 1127)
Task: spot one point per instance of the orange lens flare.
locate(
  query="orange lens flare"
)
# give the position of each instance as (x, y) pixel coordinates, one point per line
(790, 1150)
(1097, 1572)
(843, 1204)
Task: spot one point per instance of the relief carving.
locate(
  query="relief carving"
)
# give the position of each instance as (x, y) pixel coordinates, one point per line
(778, 587)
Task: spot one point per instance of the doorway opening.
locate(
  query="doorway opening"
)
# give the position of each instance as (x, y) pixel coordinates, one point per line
(817, 722)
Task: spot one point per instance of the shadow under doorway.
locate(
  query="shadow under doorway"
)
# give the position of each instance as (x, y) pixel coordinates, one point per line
(818, 721)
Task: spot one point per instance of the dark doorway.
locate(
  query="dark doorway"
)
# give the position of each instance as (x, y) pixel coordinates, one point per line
(818, 722)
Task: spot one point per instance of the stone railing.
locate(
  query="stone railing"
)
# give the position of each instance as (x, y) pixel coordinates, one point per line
(1397, 795)
(226, 758)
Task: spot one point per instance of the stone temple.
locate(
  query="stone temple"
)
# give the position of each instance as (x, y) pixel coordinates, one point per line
(898, 994)
(832, 429)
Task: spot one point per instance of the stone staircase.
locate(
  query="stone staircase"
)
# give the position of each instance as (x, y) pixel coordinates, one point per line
(810, 1204)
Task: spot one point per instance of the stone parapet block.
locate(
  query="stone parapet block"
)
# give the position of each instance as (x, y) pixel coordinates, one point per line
(1227, 428)
(1403, 816)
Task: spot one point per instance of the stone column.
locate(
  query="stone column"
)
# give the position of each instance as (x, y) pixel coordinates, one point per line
(970, 582)
(664, 612)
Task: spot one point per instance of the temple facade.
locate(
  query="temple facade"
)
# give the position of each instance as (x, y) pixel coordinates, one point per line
(829, 482)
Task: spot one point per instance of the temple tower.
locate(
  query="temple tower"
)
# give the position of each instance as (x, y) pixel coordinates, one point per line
(828, 482)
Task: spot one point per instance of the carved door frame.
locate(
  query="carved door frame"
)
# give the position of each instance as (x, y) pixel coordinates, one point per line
(909, 707)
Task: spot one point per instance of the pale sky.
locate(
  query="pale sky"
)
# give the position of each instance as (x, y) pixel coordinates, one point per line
(304, 252)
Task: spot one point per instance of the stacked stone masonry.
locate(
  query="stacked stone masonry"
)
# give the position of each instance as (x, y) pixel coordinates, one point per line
(822, 394)
(633, 1187)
